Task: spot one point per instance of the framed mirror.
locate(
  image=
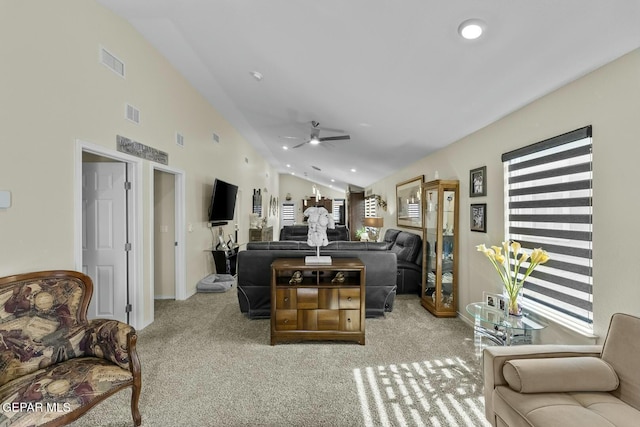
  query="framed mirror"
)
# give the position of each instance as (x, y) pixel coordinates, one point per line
(408, 206)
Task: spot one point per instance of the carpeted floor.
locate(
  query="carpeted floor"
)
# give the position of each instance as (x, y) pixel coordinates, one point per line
(206, 364)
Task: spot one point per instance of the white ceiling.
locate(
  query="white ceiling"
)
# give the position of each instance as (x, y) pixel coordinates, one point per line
(394, 74)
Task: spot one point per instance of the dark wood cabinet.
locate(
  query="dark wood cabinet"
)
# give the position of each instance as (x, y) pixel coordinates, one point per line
(325, 302)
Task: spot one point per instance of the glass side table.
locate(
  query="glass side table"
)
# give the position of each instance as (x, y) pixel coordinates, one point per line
(500, 328)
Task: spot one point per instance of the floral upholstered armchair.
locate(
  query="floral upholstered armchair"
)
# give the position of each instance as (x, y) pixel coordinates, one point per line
(54, 364)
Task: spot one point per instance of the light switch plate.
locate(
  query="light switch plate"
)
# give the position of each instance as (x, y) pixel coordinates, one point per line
(5, 199)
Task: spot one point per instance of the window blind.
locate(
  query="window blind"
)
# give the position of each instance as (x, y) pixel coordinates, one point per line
(288, 214)
(549, 205)
(370, 207)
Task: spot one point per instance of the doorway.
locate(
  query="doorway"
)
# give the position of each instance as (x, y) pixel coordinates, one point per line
(168, 233)
(105, 236)
(108, 241)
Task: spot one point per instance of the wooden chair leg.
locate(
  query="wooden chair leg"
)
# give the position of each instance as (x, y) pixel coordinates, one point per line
(134, 365)
(135, 412)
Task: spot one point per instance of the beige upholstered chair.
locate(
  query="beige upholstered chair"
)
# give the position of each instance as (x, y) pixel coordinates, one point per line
(55, 365)
(565, 385)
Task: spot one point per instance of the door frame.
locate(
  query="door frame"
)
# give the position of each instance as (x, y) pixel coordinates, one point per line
(179, 203)
(134, 166)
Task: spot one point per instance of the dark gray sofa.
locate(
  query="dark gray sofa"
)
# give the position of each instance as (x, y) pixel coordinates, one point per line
(254, 272)
(408, 249)
(300, 233)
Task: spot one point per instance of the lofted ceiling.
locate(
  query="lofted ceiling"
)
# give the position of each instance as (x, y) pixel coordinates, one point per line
(394, 75)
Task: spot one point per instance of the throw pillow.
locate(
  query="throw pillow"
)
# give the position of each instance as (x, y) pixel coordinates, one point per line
(560, 374)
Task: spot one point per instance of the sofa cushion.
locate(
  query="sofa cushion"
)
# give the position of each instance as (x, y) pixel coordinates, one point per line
(592, 409)
(282, 245)
(302, 246)
(301, 233)
(561, 374)
(355, 246)
(59, 389)
(38, 323)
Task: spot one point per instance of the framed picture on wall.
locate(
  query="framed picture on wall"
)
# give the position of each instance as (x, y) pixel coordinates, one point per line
(478, 217)
(409, 208)
(477, 182)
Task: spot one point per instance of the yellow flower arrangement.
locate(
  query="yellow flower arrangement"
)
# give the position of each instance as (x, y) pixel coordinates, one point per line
(502, 263)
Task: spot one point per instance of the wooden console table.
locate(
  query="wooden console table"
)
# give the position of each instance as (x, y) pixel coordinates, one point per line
(317, 307)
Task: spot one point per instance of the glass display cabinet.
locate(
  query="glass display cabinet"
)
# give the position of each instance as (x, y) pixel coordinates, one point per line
(440, 247)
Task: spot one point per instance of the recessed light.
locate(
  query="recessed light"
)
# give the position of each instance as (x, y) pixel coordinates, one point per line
(288, 165)
(284, 147)
(256, 75)
(353, 170)
(471, 29)
(333, 180)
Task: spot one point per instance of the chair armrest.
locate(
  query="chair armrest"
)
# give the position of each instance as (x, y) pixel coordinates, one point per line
(493, 358)
(111, 340)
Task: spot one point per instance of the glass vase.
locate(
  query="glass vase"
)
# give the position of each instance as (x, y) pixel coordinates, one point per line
(514, 303)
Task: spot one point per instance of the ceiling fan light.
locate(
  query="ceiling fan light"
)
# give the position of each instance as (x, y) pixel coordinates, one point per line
(314, 141)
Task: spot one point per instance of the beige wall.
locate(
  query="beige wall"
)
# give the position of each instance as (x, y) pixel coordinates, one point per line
(55, 92)
(608, 99)
(300, 189)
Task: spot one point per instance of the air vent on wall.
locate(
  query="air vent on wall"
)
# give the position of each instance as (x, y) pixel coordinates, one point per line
(132, 114)
(179, 139)
(316, 168)
(111, 62)
(216, 138)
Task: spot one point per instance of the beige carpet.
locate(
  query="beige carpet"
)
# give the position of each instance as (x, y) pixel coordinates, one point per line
(206, 364)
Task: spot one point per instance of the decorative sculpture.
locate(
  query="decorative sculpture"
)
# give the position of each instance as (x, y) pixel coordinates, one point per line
(319, 219)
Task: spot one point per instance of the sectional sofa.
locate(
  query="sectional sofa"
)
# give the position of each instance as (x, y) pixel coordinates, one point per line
(254, 272)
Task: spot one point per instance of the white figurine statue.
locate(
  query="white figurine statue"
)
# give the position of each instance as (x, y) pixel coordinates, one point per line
(319, 220)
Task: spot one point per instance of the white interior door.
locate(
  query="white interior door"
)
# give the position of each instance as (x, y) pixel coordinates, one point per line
(104, 235)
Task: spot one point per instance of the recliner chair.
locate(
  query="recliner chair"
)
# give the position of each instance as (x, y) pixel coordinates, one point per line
(408, 249)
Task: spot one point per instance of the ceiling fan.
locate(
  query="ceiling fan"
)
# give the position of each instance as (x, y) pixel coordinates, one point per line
(315, 139)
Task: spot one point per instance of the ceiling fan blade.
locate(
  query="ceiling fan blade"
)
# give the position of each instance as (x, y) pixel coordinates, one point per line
(299, 145)
(335, 138)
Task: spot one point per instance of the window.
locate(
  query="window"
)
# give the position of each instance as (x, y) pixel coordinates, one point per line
(370, 206)
(548, 204)
(288, 213)
(338, 211)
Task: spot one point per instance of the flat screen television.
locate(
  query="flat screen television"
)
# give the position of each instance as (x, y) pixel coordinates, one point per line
(223, 202)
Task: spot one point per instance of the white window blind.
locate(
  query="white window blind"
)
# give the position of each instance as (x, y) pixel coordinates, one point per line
(370, 206)
(288, 214)
(549, 205)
